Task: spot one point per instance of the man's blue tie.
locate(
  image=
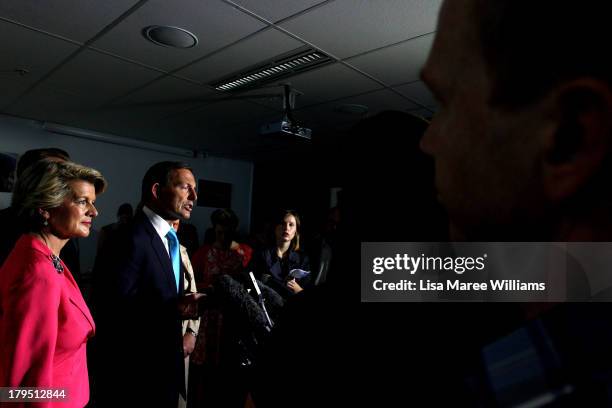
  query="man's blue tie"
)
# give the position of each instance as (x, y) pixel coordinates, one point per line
(173, 245)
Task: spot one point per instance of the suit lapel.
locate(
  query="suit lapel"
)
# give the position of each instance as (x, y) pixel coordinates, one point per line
(186, 269)
(160, 252)
(76, 298)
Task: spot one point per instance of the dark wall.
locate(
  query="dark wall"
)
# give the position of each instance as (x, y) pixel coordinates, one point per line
(299, 181)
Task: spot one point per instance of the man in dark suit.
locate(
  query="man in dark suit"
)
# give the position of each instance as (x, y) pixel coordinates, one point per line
(137, 286)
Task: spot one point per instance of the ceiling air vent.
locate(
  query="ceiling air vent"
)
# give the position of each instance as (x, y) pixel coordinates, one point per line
(282, 66)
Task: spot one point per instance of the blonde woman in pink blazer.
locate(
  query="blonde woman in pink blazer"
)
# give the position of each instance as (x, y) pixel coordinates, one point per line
(44, 321)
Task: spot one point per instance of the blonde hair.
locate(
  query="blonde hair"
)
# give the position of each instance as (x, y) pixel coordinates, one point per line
(46, 184)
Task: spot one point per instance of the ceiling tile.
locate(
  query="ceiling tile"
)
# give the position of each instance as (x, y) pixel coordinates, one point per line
(248, 142)
(275, 10)
(329, 82)
(216, 24)
(12, 87)
(348, 27)
(213, 141)
(134, 126)
(329, 114)
(224, 127)
(111, 77)
(260, 47)
(18, 54)
(396, 64)
(47, 103)
(156, 106)
(143, 121)
(220, 114)
(271, 96)
(168, 90)
(419, 92)
(423, 113)
(78, 20)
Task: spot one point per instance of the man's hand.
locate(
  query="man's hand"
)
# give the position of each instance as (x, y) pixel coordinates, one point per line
(294, 286)
(189, 305)
(189, 341)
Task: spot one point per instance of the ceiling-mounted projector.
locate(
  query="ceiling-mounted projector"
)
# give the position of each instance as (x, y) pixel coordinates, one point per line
(287, 128)
(288, 125)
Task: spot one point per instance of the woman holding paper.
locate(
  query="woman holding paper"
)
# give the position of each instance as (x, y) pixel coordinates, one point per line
(284, 266)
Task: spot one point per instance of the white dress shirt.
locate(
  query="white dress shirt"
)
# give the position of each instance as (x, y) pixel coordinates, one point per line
(161, 226)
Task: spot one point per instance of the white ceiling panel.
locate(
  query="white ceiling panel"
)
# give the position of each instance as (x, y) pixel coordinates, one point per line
(348, 27)
(157, 104)
(248, 142)
(212, 141)
(64, 106)
(273, 98)
(12, 87)
(169, 90)
(157, 124)
(216, 24)
(258, 48)
(330, 82)
(18, 54)
(213, 127)
(48, 103)
(133, 125)
(328, 114)
(220, 114)
(419, 92)
(147, 123)
(275, 10)
(99, 78)
(78, 20)
(396, 64)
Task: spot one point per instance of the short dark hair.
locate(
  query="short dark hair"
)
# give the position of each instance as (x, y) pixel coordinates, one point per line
(224, 217)
(35, 155)
(159, 173)
(532, 46)
(125, 209)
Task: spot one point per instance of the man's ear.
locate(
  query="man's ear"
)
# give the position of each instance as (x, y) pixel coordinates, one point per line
(576, 147)
(155, 191)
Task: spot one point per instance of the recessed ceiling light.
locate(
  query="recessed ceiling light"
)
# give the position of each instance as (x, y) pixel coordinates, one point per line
(168, 36)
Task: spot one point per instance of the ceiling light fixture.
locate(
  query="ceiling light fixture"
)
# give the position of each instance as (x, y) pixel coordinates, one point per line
(279, 67)
(168, 36)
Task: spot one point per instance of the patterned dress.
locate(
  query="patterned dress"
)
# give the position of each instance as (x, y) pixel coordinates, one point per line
(209, 262)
